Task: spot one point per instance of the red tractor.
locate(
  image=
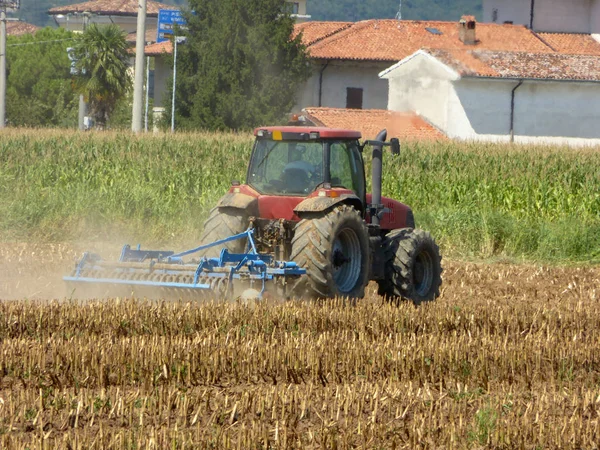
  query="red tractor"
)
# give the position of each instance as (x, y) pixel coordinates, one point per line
(306, 199)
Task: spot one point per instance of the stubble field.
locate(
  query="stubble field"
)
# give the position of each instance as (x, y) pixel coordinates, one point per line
(508, 357)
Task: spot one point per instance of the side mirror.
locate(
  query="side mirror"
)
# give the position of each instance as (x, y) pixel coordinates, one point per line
(395, 146)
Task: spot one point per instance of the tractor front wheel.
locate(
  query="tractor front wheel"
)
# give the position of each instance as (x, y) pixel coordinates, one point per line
(223, 223)
(413, 266)
(334, 249)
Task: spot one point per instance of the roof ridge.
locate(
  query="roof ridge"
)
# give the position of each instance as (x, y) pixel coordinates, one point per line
(346, 31)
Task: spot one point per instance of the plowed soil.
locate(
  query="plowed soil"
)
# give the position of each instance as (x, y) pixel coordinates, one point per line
(508, 357)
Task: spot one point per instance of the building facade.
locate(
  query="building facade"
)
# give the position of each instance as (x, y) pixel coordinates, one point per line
(558, 16)
(502, 96)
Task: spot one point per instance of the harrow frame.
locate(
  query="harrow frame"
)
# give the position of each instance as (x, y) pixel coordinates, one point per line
(209, 274)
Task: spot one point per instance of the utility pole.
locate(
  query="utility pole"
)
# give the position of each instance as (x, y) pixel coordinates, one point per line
(82, 104)
(138, 83)
(176, 40)
(147, 94)
(3, 66)
(4, 4)
(174, 84)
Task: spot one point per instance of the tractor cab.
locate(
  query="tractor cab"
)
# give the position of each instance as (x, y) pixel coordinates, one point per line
(293, 161)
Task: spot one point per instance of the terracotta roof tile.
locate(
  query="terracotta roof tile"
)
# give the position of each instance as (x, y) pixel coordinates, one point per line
(544, 66)
(110, 7)
(159, 48)
(406, 126)
(18, 28)
(573, 44)
(392, 40)
(313, 32)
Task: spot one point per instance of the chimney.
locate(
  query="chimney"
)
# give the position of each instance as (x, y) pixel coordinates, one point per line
(467, 30)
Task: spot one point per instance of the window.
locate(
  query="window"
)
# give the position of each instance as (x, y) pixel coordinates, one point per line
(434, 31)
(354, 98)
(286, 167)
(346, 167)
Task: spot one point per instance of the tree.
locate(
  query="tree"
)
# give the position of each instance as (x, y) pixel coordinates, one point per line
(102, 56)
(240, 67)
(39, 89)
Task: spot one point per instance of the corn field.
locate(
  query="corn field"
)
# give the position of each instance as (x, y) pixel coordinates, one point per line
(478, 200)
(508, 357)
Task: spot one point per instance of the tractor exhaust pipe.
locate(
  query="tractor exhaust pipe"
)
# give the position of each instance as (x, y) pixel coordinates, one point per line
(376, 174)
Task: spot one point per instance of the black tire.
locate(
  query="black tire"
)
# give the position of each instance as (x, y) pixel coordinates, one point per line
(413, 266)
(334, 249)
(222, 223)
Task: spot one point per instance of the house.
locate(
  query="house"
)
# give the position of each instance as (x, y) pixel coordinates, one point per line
(545, 91)
(348, 57)
(559, 16)
(105, 12)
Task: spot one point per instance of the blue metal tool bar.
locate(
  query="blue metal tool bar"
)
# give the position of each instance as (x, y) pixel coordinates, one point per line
(137, 283)
(246, 234)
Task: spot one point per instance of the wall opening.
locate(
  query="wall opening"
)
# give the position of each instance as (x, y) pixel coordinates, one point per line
(354, 98)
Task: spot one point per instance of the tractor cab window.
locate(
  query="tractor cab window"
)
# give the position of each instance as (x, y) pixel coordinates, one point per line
(286, 167)
(346, 167)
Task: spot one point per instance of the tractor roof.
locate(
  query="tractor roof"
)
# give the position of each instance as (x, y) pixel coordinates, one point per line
(324, 133)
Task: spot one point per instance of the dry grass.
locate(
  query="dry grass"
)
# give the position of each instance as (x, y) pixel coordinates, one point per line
(509, 357)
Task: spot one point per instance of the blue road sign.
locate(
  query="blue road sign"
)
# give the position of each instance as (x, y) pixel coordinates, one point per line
(167, 19)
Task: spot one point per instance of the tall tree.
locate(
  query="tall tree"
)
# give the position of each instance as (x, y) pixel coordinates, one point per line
(39, 90)
(102, 56)
(240, 66)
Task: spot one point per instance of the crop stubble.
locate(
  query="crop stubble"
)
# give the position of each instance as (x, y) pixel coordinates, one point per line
(507, 358)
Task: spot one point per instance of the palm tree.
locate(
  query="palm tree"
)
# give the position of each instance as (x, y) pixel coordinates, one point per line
(102, 57)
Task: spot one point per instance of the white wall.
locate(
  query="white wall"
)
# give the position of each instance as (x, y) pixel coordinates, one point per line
(423, 86)
(571, 16)
(337, 77)
(480, 109)
(552, 112)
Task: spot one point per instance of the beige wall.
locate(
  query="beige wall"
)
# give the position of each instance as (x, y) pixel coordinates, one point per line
(517, 11)
(595, 16)
(162, 73)
(570, 16)
(128, 24)
(337, 77)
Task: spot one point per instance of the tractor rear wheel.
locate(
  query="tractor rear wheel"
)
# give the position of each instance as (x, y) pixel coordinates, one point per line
(413, 266)
(334, 249)
(223, 223)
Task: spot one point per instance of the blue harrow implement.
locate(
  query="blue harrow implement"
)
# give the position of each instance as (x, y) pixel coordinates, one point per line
(166, 274)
